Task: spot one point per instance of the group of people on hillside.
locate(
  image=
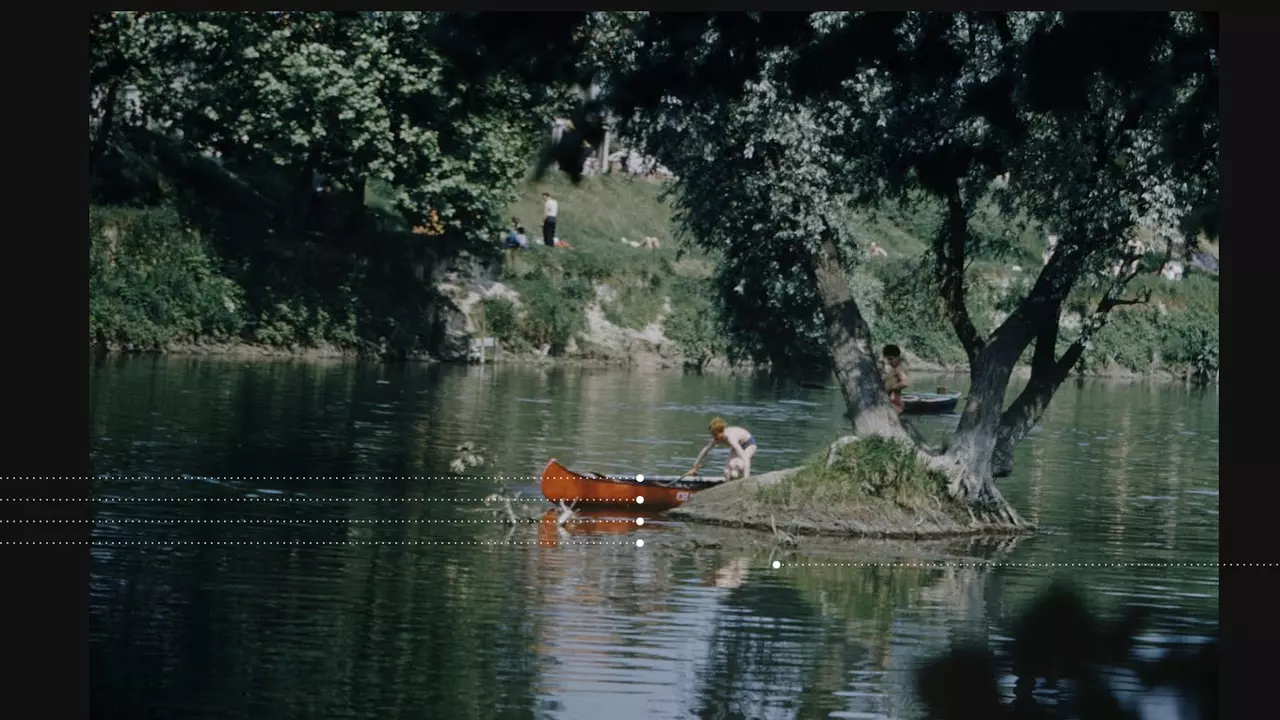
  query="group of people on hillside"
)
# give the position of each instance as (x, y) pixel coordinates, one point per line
(742, 444)
(516, 238)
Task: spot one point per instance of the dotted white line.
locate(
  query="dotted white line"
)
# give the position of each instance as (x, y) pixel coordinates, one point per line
(314, 542)
(276, 477)
(317, 499)
(943, 564)
(286, 521)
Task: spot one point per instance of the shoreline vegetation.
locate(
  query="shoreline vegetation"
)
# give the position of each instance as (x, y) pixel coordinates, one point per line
(160, 286)
(644, 363)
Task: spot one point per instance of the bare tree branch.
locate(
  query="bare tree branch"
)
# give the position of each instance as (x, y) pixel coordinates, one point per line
(1047, 373)
(949, 268)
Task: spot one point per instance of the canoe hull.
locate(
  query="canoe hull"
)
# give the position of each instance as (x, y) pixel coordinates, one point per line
(589, 490)
(925, 403)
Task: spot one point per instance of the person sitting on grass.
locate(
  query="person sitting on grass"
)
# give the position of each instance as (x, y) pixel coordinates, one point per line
(742, 447)
(517, 240)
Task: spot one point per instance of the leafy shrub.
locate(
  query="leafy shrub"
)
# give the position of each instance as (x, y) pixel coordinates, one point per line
(1136, 338)
(500, 318)
(554, 312)
(694, 323)
(153, 281)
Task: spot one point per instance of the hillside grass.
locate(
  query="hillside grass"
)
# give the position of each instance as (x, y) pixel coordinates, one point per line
(558, 284)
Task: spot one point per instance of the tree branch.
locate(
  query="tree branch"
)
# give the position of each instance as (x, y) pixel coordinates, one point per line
(949, 268)
(1048, 373)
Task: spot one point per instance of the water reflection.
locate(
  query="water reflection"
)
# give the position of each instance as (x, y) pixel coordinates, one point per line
(552, 627)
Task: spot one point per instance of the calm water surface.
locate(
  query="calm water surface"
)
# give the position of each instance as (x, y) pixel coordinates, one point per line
(452, 627)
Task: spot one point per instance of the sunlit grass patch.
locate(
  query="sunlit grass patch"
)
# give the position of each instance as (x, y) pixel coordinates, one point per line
(869, 472)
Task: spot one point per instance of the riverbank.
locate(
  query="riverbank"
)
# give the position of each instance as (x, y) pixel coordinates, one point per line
(239, 350)
(160, 285)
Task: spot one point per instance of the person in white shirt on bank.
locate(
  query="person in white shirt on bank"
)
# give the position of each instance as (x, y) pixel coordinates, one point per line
(550, 208)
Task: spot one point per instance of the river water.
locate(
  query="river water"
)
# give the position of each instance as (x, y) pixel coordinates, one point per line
(301, 549)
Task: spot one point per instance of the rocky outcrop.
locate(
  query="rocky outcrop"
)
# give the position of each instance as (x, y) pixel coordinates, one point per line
(465, 281)
(462, 281)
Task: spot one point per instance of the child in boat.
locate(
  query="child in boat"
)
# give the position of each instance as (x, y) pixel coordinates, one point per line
(742, 447)
(895, 378)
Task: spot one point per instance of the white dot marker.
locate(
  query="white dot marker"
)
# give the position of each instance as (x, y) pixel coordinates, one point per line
(776, 564)
(639, 478)
(639, 499)
(639, 543)
(639, 521)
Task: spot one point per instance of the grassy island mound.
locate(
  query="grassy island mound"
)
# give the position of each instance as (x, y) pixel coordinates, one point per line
(870, 487)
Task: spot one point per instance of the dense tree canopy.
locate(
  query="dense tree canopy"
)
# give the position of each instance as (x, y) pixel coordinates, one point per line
(405, 97)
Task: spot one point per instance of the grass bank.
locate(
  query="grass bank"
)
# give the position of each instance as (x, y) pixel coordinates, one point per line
(163, 278)
(873, 488)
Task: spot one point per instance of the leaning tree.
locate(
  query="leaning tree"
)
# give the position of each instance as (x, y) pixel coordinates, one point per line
(782, 126)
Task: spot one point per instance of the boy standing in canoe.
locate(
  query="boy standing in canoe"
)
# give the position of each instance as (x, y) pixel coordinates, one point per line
(895, 378)
(742, 447)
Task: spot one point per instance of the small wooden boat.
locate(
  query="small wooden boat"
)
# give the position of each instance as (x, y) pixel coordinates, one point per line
(921, 403)
(593, 490)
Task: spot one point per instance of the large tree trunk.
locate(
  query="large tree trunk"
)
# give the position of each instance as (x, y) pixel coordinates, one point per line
(853, 357)
(968, 461)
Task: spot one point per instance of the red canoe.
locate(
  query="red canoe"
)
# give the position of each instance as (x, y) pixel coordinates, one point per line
(659, 493)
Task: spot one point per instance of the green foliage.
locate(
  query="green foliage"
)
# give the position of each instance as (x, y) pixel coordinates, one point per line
(354, 95)
(695, 323)
(777, 142)
(229, 115)
(294, 322)
(868, 471)
(1176, 329)
(908, 314)
(1136, 339)
(636, 306)
(500, 318)
(554, 311)
(788, 123)
(154, 281)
